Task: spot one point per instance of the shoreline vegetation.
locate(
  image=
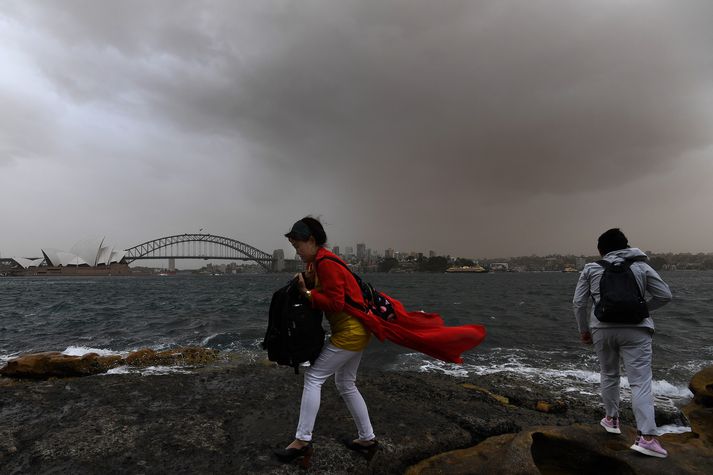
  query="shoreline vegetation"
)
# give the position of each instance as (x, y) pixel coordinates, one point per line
(416, 262)
(226, 413)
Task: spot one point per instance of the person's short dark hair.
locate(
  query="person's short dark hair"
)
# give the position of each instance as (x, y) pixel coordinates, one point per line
(612, 240)
(306, 227)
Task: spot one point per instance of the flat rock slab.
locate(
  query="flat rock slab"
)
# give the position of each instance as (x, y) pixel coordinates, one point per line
(577, 449)
(228, 416)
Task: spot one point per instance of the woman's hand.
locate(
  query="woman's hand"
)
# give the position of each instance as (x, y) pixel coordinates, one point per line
(308, 276)
(301, 282)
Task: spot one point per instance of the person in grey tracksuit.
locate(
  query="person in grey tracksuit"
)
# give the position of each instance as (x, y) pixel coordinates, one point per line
(629, 342)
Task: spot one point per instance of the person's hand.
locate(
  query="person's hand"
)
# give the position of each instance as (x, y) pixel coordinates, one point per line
(586, 338)
(308, 276)
(302, 287)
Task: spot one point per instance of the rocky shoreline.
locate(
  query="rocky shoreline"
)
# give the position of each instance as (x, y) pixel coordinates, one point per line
(228, 415)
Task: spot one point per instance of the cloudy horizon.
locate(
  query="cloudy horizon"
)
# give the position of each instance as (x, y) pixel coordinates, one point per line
(475, 129)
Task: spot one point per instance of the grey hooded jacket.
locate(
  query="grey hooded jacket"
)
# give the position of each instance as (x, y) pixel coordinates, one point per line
(588, 287)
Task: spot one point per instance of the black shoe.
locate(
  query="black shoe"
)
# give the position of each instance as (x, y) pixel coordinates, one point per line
(290, 455)
(367, 450)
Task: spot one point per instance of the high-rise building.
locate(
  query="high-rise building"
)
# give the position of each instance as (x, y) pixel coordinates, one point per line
(348, 251)
(431, 253)
(361, 251)
(389, 253)
(335, 250)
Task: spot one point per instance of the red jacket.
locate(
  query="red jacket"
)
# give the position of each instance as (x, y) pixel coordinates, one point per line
(424, 332)
(335, 282)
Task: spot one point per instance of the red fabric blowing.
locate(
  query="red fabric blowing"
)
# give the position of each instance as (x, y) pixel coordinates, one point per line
(424, 332)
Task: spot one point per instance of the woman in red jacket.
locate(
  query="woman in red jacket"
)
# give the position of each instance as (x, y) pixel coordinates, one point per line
(341, 356)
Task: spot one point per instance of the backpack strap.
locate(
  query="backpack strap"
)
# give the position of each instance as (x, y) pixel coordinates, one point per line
(606, 264)
(347, 298)
(334, 259)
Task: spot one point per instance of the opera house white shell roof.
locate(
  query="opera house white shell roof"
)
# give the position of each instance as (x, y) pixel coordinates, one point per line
(90, 252)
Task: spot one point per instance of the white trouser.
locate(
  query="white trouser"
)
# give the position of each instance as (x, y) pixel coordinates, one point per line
(343, 364)
(633, 346)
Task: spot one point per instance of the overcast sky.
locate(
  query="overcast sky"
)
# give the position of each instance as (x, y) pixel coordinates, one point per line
(471, 128)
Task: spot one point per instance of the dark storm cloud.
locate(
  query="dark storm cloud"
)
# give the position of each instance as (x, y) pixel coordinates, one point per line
(509, 95)
(419, 111)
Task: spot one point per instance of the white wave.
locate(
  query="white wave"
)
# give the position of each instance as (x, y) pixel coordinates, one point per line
(582, 381)
(443, 367)
(691, 367)
(672, 429)
(83, 350)
(148, 371)
(5, 358)
(119, 370)
(664, 388)
(205, 340)
(157, 370)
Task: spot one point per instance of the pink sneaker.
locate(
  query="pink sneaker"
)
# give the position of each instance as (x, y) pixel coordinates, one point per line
(611, 425)
(649, 447)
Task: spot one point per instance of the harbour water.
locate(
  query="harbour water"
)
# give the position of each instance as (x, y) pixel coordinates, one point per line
(531, 329)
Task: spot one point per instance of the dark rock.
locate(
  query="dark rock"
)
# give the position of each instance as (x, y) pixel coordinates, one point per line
(575, 449)
(187, 356)
(701, 386)
(55, 364)
(228, 416)
(700, 411)
(585, 449)
(555, 407)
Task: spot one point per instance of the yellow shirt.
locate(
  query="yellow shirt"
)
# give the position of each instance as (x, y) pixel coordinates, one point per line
(348, 333)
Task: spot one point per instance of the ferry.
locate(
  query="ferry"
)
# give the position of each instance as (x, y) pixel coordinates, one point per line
(476, 269)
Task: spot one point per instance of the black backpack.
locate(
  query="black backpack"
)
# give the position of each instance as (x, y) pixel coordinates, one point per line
(294, 329)
(620, 298)
(375, 301)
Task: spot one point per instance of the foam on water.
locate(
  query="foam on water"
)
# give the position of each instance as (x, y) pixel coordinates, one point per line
(207, 339)
(7, 357)
(149, 371)
(672, 429)
(577, 381)
(83, 350)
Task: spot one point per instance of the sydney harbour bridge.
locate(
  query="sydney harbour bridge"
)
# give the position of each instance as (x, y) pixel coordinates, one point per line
(203, 246)
(91, 257)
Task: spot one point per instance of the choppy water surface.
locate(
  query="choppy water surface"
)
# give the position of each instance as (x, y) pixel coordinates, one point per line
(531, 329)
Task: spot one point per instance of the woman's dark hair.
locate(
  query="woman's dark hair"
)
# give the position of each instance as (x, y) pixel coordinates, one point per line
(306, 227)
(612, 240)
(316, 229)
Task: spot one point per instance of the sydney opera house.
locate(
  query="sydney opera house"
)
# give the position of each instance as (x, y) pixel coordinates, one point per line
(87, 258)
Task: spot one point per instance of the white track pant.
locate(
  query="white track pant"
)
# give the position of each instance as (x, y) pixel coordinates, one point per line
(343, 364)
(632, 346)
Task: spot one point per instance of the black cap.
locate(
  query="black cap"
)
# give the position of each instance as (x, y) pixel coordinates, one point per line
(299, 232)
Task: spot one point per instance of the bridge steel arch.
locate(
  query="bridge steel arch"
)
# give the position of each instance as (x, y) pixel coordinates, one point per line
(198, 246)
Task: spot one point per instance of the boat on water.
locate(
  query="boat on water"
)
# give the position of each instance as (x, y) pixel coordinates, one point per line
(569, 269)
(476, 269)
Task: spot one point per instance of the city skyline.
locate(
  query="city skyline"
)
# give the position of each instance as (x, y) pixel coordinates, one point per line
(346, 250)
(492, 128)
